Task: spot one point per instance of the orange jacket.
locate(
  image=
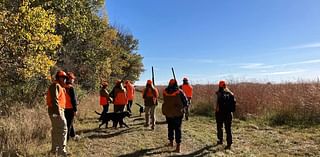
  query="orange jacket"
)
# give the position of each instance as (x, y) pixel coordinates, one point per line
(56, 97)
(187, 89)
(120, 97)
(130, 91)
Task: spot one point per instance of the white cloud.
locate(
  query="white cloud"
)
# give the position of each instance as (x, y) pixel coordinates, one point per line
(305, 46)
(284, 72)
(303, 62)
(255, 66)
(197, 60)
(265, 66)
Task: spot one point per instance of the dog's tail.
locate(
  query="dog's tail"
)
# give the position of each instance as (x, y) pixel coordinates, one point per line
(98, 113)
(139, 105)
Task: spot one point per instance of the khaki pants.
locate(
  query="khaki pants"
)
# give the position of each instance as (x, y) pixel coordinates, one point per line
(150, 113)
(58, 132)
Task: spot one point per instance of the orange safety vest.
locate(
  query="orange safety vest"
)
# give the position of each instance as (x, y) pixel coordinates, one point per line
(61, 96)
(187, 89)
(150, 93)
(68, 99)
(172, 94)
(103, 101)
(130, 91)
(120, 98)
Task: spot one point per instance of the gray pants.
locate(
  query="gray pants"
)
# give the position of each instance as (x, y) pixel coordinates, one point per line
(150, 112)
(58, 132)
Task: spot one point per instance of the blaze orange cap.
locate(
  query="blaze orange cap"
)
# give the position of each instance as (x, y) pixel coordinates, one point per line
(104, 83)
(149, 82)
(172, 82)
(222, 83)
(61, 74)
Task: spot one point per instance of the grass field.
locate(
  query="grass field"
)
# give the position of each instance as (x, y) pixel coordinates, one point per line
(251, 138)
(27, 133)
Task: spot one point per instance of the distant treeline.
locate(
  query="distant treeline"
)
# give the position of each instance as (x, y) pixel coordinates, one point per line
(39, 37)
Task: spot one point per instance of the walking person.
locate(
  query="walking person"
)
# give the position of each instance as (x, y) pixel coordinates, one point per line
(71, 105)
(104, 97)
(150, 95)
(174, 102)
(225, 106)
(188, 90)
(119, 96)
(130, 93)
(56, 101)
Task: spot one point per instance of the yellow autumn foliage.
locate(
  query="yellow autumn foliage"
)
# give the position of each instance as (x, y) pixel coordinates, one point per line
(39, 64)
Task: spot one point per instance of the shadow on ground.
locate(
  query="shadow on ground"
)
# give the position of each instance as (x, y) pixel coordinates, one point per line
(106, 133)
(138, 119)
(143, 152)
(156, 151)
(161, 122)
(201, 152)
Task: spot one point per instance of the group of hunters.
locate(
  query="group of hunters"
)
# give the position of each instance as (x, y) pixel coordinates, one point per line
(62, 107)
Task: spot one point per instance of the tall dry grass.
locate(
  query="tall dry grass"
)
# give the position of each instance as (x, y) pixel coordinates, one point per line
(23, 129)
(286, 103)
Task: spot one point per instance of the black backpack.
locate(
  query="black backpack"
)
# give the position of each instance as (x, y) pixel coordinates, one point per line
(229, 101)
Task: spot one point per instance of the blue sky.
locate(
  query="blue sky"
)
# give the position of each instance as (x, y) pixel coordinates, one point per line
(209, 40)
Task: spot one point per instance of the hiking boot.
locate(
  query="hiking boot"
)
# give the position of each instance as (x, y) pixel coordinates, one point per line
(228, 147)
(219, 142)
(146, 125)
(152, 127)
(170, 144)
(177, 148)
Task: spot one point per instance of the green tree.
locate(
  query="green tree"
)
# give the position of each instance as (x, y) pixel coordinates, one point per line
(27, 45)
(38, 37)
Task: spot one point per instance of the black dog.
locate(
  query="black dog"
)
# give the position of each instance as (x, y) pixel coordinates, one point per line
(115, 117)
(141, 109)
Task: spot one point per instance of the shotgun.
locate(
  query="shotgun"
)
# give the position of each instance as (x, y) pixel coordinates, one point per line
(174, 76)
(154, 85)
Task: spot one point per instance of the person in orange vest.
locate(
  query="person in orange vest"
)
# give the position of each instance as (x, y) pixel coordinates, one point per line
(104, 97)
(56, 101)
(130, 93)
(188, 90)
(174, 102)
(150, 95)
(71, 105)
(225, 106)
(119, 96)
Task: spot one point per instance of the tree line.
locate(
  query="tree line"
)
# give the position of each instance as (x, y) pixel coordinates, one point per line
(39, 37)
